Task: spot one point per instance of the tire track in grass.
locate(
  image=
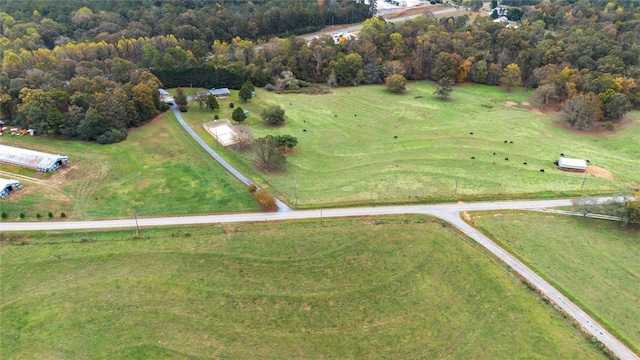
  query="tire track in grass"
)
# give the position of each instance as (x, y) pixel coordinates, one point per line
(87, 187)
(11, 175)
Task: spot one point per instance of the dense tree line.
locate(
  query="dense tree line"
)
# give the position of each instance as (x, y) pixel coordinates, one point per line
(82, 68)
(584, 55)
(198, 21)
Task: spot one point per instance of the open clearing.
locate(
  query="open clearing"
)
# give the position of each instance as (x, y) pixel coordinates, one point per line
(158, 170)
(403, 287)
(594, 262)
(364, 144)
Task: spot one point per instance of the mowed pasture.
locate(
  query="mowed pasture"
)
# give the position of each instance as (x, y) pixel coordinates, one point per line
(360, 288)
(158, 170)
(594, 262)
(365, 144)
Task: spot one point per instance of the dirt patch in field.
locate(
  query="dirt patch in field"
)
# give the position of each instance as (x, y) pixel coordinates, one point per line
(525, 105)
(465, 216)
(497, 215)
(599, 172)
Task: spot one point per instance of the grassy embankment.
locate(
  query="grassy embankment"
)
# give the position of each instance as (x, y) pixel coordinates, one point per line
(349, 152)
(158, 170)
(397, 288)
(594, 262)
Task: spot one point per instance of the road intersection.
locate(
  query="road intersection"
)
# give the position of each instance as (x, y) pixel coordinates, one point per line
(447, 212)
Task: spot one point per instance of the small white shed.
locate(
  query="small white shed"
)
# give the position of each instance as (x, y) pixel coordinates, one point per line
(572, 164)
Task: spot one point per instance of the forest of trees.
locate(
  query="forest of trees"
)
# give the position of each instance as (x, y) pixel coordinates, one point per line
(81, 69)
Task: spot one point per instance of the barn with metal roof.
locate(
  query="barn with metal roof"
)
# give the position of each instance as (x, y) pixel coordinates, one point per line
(7, 186)
(31, 159)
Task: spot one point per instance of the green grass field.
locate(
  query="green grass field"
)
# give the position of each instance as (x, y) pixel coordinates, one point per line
(349, 153)
(404, 288)
(595, 262)
(158, 170)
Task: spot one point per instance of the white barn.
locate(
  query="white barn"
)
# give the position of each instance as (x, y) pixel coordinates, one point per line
(572, 164)
(7, 186)
(31, 159)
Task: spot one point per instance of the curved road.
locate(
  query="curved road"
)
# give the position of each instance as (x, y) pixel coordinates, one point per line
(447, 212)
(282, 207)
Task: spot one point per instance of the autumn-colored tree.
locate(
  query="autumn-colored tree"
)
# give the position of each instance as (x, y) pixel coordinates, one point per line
(396, 83)
(510, 76)
(582, 111)
(445, 67)
(463, 69)
(143, 100)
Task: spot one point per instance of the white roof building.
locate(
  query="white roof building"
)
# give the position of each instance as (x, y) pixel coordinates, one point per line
(572, 164)
(31, 159)
(7, 186)
(165, 97)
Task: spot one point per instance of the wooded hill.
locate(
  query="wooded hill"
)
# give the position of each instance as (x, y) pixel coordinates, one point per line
(61, 62)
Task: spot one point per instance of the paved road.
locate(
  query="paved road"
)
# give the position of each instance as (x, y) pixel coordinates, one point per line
(282, 207)
(447, 212)
(355, 28)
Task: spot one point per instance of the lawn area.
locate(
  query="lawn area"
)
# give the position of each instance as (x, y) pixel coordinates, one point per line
(594, 262)
(364, 144)
(158, 170)
(352, 288)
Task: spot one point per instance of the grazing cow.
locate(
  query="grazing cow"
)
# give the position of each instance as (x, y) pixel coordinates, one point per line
(561, 154)
(494, 153)
(336, 115)
(355, 115)
(588, 162)
(473, 158)
(470, 133)
(507, 159)
(541, 170)
(510, 142)
(304, 130)
(524, 163)
(505, 141)
(395, 136)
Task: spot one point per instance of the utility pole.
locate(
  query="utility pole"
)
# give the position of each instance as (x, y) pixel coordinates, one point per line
(295, 193)
(583, 180)
(137, 227)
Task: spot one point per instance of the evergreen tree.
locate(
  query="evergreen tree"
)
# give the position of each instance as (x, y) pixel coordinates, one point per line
(245, 92)
(212, 102)
(238, 115)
